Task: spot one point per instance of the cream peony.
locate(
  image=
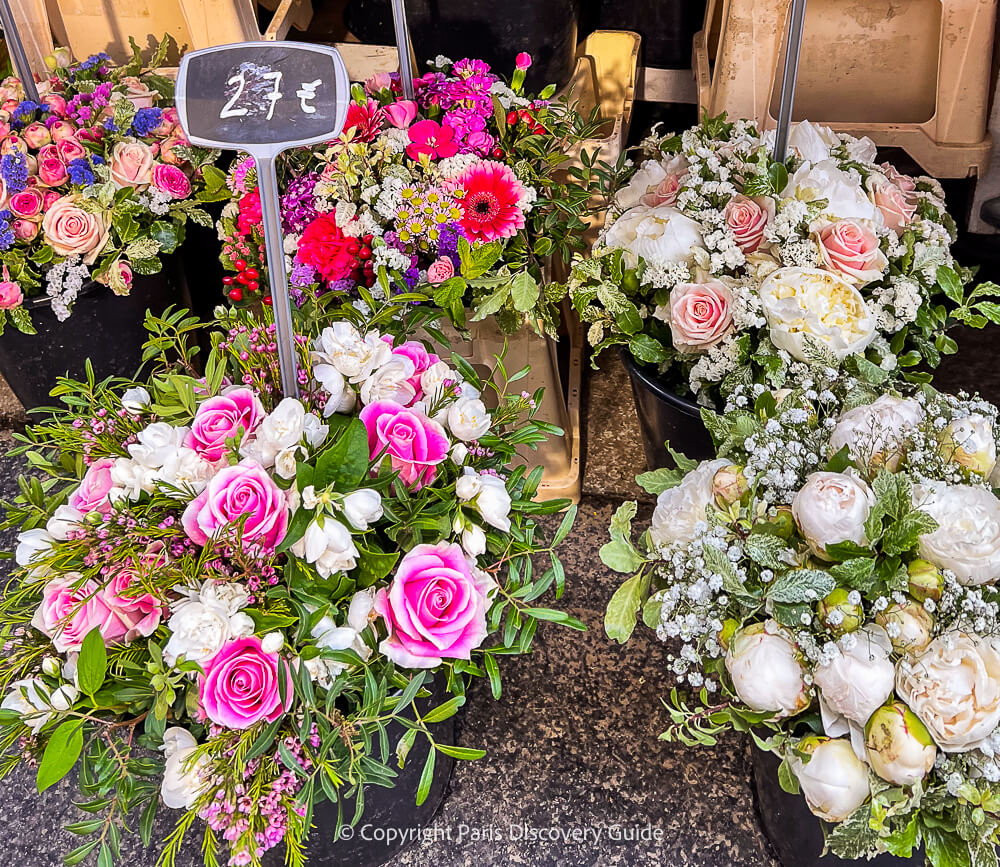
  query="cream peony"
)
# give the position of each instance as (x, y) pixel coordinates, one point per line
(812, 141)
(967, 540)
(834, 781)
(831, 508)
(680, 509)
(809, 305)
(845, 197)
(954, 687)
(875, 434)
(659, 235)
(898, 746)
(766, 670)
(970, 442)
(857, 682)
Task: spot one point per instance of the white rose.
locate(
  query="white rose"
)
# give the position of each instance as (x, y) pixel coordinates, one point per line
(834, 781)
(459, 452)
(362, 508)
(811, 141)
(954, 687)
(136, 400)
(845, 196)
(647, 178)
(282, 429)
(661, 235)
(474, 540)
(314, 430)
(898, 746)
(182, 782)
(30, 698)
(468, 418)
(433, 379)
(680, 509)
(327, 544)
(766, 670)
(857, 681)
(488, 494)
(131, 478)
(970, 443)
(831, 508)
(341, 397)
(63, 520)
(967, 540)
(241, 625)
(875, 434)
(156, 444)
(342, 346)
(390, 381)
(809, 305)
(286, 462)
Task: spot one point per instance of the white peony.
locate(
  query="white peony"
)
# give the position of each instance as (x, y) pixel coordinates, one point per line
(136, 400)
(970, 443)
(954, 687)
(362, 508)
(967, 540)
(468, 418)
(834, 781)
(647, 178)
(875, 434)
(845, 196)
(342, 346)
(831, 508)
(806, 306)
(328, 545)
(488, 494)
(182, 782)
(31, 698)
(390, 381)
(680, 509)
(857, 681)
(766, 670)
(660, 235)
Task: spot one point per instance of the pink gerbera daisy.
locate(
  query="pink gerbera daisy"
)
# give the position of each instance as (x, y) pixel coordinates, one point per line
(491, 203)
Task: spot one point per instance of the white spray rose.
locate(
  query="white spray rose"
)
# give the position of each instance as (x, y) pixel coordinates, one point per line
(328, 545)
(342, 346)
(468, 418)
(314, 430)
(660, 235)
(898, 746)
(967, 540)
(488, 494)
(432, 380)
(136, 400)
(858, 680)
(341, 397)
(969, 442)
(156, 444)
(230, 596)
(272, 642)
(202, 621)
(31, 698)
(680, 509)
(182, 778)
(876, 433)
(766, 670)
(831, 508)
(473, 540)
(184, 472)
(362, 508)
(286, 462)
(845, 196)
(330, 636)
(390, 381)
(63, 520)
(954, 687)
(281, 429)
(834, 781)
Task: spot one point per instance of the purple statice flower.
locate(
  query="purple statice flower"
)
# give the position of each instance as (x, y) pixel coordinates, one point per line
(344, 285)
(6, 230)
(448, 242)
(14, 171)
(80, 172)
(392, 239)
(110, 125)
(298, 204)
(412, 274)
(146, 120)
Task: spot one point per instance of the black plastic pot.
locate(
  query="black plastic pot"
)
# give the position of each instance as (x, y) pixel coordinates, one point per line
(795, 833)
(667, 27)
(486, 29)
(665, 416)
(104, 327)
(393, 810)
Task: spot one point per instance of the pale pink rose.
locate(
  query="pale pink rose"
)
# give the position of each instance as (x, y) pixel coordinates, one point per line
(4, 128)
(24, 230)
(440, 270)
(70, 609)
(904, 182)
(11, 295)
(62, 129)
(49, 198)
(240, 685)
(70, 149)
(92, 495)
(138, 613)
(700, 315)
(223, 417)
(11, 103)
(171, 180)
(168, 150)
(401, 114)
(72, 231)
(56, 103)
(379, 81)
(137, 92)
(435, 609)
(131, 164)
(851, 249)
(243, 492)
(47, 152)
(748, 218)
(664, 193)
(414, 443)
(27, 203)
(13, 144)
(52, 172)
(36, 134)
(422, 361)
(896, 207)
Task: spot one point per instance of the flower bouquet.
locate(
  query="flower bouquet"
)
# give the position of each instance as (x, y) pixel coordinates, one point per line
(720, 266)
(830, 580)
(227, 598)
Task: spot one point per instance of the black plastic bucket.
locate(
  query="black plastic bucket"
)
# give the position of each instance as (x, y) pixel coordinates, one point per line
(667, 27)
(485, 29)
(104, 327)
(665, 416)
(794, 832)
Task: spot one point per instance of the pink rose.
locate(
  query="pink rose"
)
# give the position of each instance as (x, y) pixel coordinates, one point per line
(244, 492)
(851, 249)
(222, 417)
(700, 315)
(168, 150)
(13, 144)
(422, 360)
(49, 198)
(56, 103)
(131, 164)
(171, 180)
(134, 612)
(240, 685)
(11, 295)
(4, 127)
(896, 207)
(36, 134)
(92, 495)
(62, 129)
(137, 92)
(379, 81)
(124, 269)
(440, 270)
(69, 610)
(70, 149)
(414, 443)
(52, 172)
(24, 230)
(435, 609)
(72, 231)
(48, 151)
(747, 219)
(904, 182)
(401, 114)
(27, 203)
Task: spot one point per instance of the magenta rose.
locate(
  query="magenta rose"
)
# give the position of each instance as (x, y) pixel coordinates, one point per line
(52, 172)
(222, 417)
(700, 315)
(70, 149)
(171, 180)
(36, 135)
(897, 208)
(240, 685)
(748, 219)
(422, 360)
(92, 495)
(240, 493)
(851, 249)
(440, 270)
(414, 443)
(70, 609)
(133, 612)
(11, 295)
(27, 204)
(435, 608)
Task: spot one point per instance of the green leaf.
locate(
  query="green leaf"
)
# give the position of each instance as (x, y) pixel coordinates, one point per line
(801, 585)
(950, 283)
(92, 665)
(903, 534)
(166, 235)
(657, 481)
(375, 565)
(904, 841)
(765, 549)
(777, 174)
(445, 710)
(854, 838)
(467, 754)
(345, 464)
(623, 609)
(61, 753)
(426, 778)
(524, 292)
(647, 349)
(620, 555)
(946, 848)
(787, 779)
(565, 526)
(80, 852)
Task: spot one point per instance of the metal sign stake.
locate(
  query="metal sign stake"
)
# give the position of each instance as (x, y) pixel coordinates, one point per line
(403, 47)
(16, 50)
(793, 48)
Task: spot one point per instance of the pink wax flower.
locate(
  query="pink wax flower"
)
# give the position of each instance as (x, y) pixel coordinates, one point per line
(435, 608)
(851, 249)
(414, 443)
(27, 203)
(401, 114)
(748, 218)
(422, 360)
(70, 149)
(92, 495)
(70, 609)
(36, 134)
(240, 493)
(52, 172)
(522, 61)
(238, 412)
(171, 180)
(240, 685)
(701, 314)
(134, 612)
(440, 270)
(491, 206)
(433, 139)
(365, 119)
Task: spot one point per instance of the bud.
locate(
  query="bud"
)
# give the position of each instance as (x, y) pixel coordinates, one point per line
(785, 522)
(727, 632)
(908, 625)
(834, 781)
(729, 486)
(838, 613)
(926, 581)
(51, 666)
(61, 58)
(899, 747)
(969, 442)
(766, 669)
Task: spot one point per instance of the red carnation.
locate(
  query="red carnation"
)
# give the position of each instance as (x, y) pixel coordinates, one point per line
(327, 249)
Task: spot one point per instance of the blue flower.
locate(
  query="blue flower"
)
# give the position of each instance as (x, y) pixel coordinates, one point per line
(14, 171)
(6, 231)
(25, 108)
(110, 125)
(146, 120)
(80, 172)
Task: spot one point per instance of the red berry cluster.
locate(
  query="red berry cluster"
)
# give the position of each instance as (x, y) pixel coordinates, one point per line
(523, 115)
(247, 277)
(364, 268)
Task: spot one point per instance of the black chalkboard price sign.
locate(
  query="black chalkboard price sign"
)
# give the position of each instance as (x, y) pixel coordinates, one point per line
(263, 98)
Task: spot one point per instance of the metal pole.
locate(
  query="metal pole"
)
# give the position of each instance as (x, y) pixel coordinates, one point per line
(403, 47)
(267, 180)
(16, 51)
(793, 48)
